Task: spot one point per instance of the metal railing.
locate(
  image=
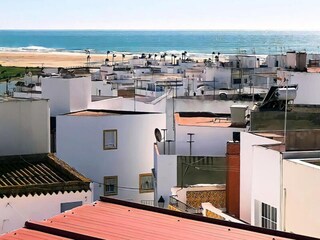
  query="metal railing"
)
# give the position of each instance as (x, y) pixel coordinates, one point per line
(182, 206)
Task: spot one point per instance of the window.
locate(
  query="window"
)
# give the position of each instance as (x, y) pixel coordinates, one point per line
(146, 183)
(268, 216)
(110, 139)
(69, 205)
(110, 185)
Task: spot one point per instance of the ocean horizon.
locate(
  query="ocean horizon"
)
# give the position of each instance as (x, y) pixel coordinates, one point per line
(195, 42)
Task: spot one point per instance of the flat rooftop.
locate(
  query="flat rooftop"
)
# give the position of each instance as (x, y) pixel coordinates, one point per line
(15, 99)
(102, 112)
(203, 119)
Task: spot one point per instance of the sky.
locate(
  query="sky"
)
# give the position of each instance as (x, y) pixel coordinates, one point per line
(161, 14)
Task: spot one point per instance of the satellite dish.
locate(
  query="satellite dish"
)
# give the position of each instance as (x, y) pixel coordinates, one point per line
(157, 134)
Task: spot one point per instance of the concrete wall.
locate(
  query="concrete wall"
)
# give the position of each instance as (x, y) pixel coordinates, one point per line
(80, 143)
(221, 76)
(24, 127)
(101, 88)
(15, 211)
(197, 104)
(67, 95)
(266, 182)
(247, 142)
(308, 86)
(301, 200)
(166, 175)
(208, 141)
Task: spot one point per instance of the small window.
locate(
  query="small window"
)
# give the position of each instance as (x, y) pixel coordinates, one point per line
(69, 205)
(110, 139)
(110, 185)
(268, 216)
(146, 183)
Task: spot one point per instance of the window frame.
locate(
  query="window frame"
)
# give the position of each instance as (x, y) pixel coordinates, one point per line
(141, 176)
(115, 131)
(269, 216)
(105, 179)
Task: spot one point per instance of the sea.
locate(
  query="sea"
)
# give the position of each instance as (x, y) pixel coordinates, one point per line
(137, 42)
(196, 43)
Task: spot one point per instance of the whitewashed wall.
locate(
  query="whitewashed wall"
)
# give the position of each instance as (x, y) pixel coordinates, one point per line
(266, 182)
(208, 141)
(166, 175)
(301, 183)
(101, 88)
(15, 211)
(196, 105)
(24, 127)
(247, 141)
(308, 86)
(67, 95)
(80, 143)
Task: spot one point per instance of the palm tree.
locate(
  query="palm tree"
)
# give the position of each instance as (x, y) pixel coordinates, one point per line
(123, 57)
(213, 53)
(164, 56)
(155, 55)
(174, 59)
(108, 54)
(88, 55)
(113, 56)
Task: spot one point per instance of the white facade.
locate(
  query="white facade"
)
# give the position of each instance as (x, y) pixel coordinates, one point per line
(276, 61)
(24, 126)
(301, 197)
(308, 86)
(102, 88)
(266, 182)
(166, 175)
(247, 159)
(220, 76)
(208, 141)
(15, 211)
(80, 143)
(67, 94)
(205, 104)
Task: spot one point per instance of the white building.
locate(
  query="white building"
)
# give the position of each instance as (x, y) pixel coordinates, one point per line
(200, 143)
(24, 126)
(37, 187)
(308, 85)
(103, 88)
(247, 159)
(290, 180)
(113, 148)
(67, 94)
(208, 132)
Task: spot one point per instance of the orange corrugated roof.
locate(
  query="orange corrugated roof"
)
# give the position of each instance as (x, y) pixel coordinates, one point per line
(26, 234)
(115, 219)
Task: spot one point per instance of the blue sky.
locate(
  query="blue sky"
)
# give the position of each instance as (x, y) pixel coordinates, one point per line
(161, 14)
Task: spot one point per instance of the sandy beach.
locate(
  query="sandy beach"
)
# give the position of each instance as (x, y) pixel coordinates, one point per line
(52, 59)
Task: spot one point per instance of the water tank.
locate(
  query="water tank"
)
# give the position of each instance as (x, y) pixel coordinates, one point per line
(282, 94)
(238, 115)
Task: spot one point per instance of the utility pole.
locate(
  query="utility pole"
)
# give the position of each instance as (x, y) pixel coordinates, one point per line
(190, 142)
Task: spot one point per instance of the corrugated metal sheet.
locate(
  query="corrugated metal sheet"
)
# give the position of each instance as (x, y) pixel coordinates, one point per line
(38, 174)
(26, 234)
(112, 221)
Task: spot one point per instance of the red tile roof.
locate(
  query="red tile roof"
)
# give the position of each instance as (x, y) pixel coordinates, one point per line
(115, 219)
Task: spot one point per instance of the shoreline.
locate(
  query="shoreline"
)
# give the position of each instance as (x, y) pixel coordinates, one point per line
(50, 59)
(70, 59)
